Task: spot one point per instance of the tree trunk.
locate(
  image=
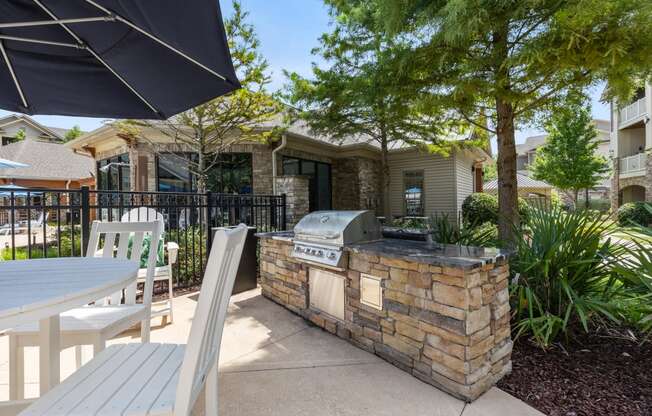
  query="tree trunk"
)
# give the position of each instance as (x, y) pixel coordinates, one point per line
(201, 168)
(507, 184)
(385, 178)
(587, 205)
(505, 134)
(576, 197)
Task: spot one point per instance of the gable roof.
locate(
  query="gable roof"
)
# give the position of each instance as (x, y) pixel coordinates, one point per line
(298, 129)
(47, 132)
(534, 142)
(523, 182)
(49, 161)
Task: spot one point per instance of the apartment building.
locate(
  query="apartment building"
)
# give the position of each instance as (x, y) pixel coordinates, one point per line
(631, 144)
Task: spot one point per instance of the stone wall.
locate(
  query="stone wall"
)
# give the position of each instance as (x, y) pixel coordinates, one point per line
(358, 184)
(369, 176)
(447, 326)
(297, 199)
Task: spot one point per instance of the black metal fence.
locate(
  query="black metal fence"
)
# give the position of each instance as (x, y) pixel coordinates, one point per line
(36, 223)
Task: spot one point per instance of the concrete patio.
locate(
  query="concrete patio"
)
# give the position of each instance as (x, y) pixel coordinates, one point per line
(275, 363)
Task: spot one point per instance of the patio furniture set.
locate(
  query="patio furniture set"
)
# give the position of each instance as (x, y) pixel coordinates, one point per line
(82, 301)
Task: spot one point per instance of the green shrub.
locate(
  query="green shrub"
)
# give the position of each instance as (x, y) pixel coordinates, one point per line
(636, 272)
(567, 278)
(479, 208)
(410, 222)
(447, 231)
(634, 213)
(190, 265)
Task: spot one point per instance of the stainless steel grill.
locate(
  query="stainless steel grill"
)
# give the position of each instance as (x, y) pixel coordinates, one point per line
(321, 236)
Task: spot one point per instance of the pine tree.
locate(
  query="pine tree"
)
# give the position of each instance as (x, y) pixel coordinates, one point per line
(359, 94)
(506, 61)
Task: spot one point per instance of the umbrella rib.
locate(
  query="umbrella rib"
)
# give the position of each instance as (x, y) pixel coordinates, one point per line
(98, 58)
(13, 74)
(55, 22)
(43, 42)
(156, 39)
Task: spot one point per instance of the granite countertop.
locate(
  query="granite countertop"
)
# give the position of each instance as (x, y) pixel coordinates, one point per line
(417, 251)
(431, 253)
(277, 235)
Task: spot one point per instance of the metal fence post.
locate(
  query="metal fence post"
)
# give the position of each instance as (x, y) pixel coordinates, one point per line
(273, 214)
(85, 218)
(209, 209)
(284, 212)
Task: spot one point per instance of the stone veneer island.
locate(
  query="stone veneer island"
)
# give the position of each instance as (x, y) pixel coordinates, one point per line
(445, 314)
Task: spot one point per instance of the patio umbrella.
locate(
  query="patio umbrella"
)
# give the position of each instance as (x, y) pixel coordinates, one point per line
(16, 190)
(10, 164)
(112, 58)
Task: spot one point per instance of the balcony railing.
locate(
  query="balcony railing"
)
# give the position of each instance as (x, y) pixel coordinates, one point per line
(632, 111)
(633, 165)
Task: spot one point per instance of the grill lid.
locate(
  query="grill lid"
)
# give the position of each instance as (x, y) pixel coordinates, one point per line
(338, 227)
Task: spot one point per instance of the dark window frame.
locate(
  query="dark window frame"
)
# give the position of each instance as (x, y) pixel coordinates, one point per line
(409, 182)
(192, 183)
(122, 175)
(314, 198)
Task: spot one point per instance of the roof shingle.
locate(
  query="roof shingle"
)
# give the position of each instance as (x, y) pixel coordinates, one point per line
(46, 161)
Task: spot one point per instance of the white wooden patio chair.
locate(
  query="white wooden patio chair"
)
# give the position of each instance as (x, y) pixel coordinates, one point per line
(106, 318)
(20, 226)
(157, 379)
(160, 272)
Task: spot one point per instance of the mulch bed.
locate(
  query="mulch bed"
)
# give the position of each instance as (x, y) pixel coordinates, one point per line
(595, 375)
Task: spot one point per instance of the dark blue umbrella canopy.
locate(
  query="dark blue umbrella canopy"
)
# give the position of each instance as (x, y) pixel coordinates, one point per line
(142, 59)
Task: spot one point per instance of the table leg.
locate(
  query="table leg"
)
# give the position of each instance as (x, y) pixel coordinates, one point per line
(49, 350)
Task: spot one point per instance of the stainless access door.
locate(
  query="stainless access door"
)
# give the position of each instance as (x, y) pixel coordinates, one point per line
(326, 292)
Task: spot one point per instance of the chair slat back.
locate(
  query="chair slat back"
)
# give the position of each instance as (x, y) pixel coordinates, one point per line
(143, 214)
(123, 231)
(202, 351)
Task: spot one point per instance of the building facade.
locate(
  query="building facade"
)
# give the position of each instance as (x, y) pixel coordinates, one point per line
(526, 154)
(631, 144)
(318, 173)
(50, 165)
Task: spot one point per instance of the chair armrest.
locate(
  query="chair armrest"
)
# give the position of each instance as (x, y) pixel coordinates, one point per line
(173, 251)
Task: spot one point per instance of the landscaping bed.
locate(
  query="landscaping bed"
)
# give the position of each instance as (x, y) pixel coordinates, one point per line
(594, 375)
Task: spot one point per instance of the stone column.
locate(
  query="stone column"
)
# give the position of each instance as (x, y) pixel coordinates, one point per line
(296, 189)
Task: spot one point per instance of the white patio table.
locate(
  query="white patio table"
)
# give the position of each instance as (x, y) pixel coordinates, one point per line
(39, 290)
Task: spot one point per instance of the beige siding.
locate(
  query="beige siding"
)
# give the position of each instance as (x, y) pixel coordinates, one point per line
(463, 176)
(439, 178)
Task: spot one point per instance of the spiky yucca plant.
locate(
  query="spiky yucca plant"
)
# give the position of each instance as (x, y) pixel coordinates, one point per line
(566, 273)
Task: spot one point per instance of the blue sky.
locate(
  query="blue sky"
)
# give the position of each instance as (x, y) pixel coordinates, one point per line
(288, 30)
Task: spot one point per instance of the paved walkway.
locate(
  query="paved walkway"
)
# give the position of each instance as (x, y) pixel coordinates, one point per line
(274, 363)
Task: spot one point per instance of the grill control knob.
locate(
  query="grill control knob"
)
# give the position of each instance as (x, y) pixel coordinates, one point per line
(331, 256)
(320, 253)
(306, 250)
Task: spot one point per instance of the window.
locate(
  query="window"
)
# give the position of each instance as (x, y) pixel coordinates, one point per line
(233, 174)
(320, 186)
(413, 193)
(115, 177)
(9, 140)
(174, 172)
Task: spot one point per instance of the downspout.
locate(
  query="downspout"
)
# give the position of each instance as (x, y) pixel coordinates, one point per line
(284, 142)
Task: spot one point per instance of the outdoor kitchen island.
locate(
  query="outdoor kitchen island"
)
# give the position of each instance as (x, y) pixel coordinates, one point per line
(439, 312)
